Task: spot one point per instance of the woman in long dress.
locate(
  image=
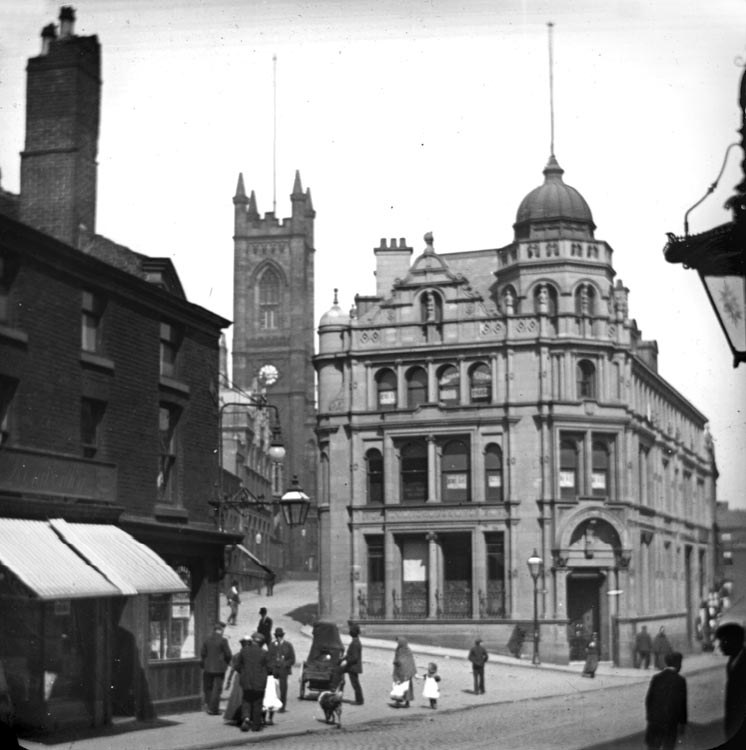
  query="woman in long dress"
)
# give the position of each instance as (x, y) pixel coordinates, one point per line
(591, 657)
(404, 668)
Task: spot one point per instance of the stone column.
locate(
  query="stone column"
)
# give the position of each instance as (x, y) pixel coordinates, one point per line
(433, 575)
(560, 572)
(392, 577)
(433, 495)
(478, 571)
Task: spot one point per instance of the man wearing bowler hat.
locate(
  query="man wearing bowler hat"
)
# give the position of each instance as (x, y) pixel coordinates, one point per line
(214, 660)
(281, 659)
(252, 668)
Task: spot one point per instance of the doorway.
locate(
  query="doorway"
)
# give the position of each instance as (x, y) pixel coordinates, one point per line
(584, 602)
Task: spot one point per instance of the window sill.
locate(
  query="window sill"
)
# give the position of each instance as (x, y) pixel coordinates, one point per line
(13, 335)
(170, 512)
(90, 359)
(171, 384)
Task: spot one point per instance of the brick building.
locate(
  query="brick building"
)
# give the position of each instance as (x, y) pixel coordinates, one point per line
(731, 560)
(273, 294)
(485, 404)
(110, 562)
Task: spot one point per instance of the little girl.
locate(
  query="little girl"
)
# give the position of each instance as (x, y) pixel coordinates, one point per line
(430, 689)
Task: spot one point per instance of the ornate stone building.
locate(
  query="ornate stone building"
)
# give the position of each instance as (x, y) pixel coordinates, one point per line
(486, 404)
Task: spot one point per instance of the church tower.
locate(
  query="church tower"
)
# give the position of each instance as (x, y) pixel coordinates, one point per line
(273, 295)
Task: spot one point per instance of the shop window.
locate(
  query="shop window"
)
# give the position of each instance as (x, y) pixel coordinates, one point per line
(586, 374)
(449, 384)
(493, 474)
(416, 387)
(454, 470)
(374, 466)
(386, 389)
(568, 475)
(8, 270)
(171, 622)
(376, 603)
(268, 294)
(92, 310)
(600, 470)
(480, 384)
(170, 343)
(8, 388)
(168, 417)
(414, 472)
(91, 418)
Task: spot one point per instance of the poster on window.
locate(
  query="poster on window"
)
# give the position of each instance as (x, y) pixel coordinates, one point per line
(448, 394)
(387, 398)
(495, 480)
(567, 479)
(598, 481)
(414, 561)
(180, 606)
(456, 481)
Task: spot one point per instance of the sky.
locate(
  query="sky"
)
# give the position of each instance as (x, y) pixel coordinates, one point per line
(411, 116)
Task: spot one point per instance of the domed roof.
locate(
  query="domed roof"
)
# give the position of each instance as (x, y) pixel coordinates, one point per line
(554, 200)
(334, 316)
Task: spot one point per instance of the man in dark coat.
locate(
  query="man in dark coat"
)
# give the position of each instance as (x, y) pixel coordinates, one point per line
(665, 705)
(281, 658)
(661, 648)
(265, 626)
(643, 647)
(478, 657)
(352, 663)
(252, 668)
(731, 637)
(214, 660)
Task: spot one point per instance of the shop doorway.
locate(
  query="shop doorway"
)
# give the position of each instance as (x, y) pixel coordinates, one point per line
(584, 602)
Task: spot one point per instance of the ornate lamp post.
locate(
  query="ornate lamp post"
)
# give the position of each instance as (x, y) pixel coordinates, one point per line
(719, 255)
(535, 565)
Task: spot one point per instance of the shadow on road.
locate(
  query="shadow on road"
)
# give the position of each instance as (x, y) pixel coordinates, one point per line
(696, 737)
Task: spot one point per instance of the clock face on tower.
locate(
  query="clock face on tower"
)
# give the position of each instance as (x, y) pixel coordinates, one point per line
(268, 375)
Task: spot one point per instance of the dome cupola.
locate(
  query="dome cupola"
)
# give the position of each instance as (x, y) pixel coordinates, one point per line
(553, 210)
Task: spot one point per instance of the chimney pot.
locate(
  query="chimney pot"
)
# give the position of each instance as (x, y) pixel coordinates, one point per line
(67, 21)
(48, 34)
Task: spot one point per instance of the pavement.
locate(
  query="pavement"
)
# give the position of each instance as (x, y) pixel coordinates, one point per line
(293, 607)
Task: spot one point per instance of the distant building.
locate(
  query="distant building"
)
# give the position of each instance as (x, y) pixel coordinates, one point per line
(485, 404)
(731, 560)
(273, 295)
(110, 562)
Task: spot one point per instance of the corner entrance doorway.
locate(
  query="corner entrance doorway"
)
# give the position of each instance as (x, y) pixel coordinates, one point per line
(584, 610)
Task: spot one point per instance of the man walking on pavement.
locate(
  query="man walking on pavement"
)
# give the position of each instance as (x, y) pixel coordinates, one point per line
(478, 657)
(252, 668)
(352, 663)
(643, 647)
(281, 658)
(214, 660)
(665, 705)
(731, 637)
(265, 626)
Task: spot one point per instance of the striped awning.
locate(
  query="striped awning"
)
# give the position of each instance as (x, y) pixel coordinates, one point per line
(254, 559)
(51, 569)
(130, 565)
(59, 560)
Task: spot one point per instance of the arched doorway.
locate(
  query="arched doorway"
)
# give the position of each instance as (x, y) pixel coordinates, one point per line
(585, 611)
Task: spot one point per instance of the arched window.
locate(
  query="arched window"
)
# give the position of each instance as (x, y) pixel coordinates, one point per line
(480, 384)
(600, 469)
(586, 374)
(585, 300)
(416, 387)
(414, 472)
(568, 475)
(374, 464)
(386, 389)
(431, 307)
(269, 300)
(454, 472)
(449, 385)
(493, 474)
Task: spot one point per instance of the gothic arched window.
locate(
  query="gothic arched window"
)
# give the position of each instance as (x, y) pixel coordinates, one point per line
(480, 384)
(386, 389)
(416, 387)
(268, 295)
(454, 472)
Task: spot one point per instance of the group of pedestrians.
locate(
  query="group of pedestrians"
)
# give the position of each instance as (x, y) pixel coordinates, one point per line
(257, 674)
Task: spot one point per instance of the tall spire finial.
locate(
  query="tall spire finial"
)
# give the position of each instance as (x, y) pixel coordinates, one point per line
(550, 26)
(274, 134)
(336, 300)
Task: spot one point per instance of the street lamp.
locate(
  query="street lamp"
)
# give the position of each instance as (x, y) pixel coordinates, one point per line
(535, 565)
(295, 504)
(719, 254)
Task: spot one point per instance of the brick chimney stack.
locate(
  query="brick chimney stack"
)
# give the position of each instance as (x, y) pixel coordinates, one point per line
(59, 161)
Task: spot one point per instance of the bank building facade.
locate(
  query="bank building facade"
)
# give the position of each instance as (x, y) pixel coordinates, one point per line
(485, 405)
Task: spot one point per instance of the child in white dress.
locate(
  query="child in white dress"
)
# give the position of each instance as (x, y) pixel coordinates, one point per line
(430, 689)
